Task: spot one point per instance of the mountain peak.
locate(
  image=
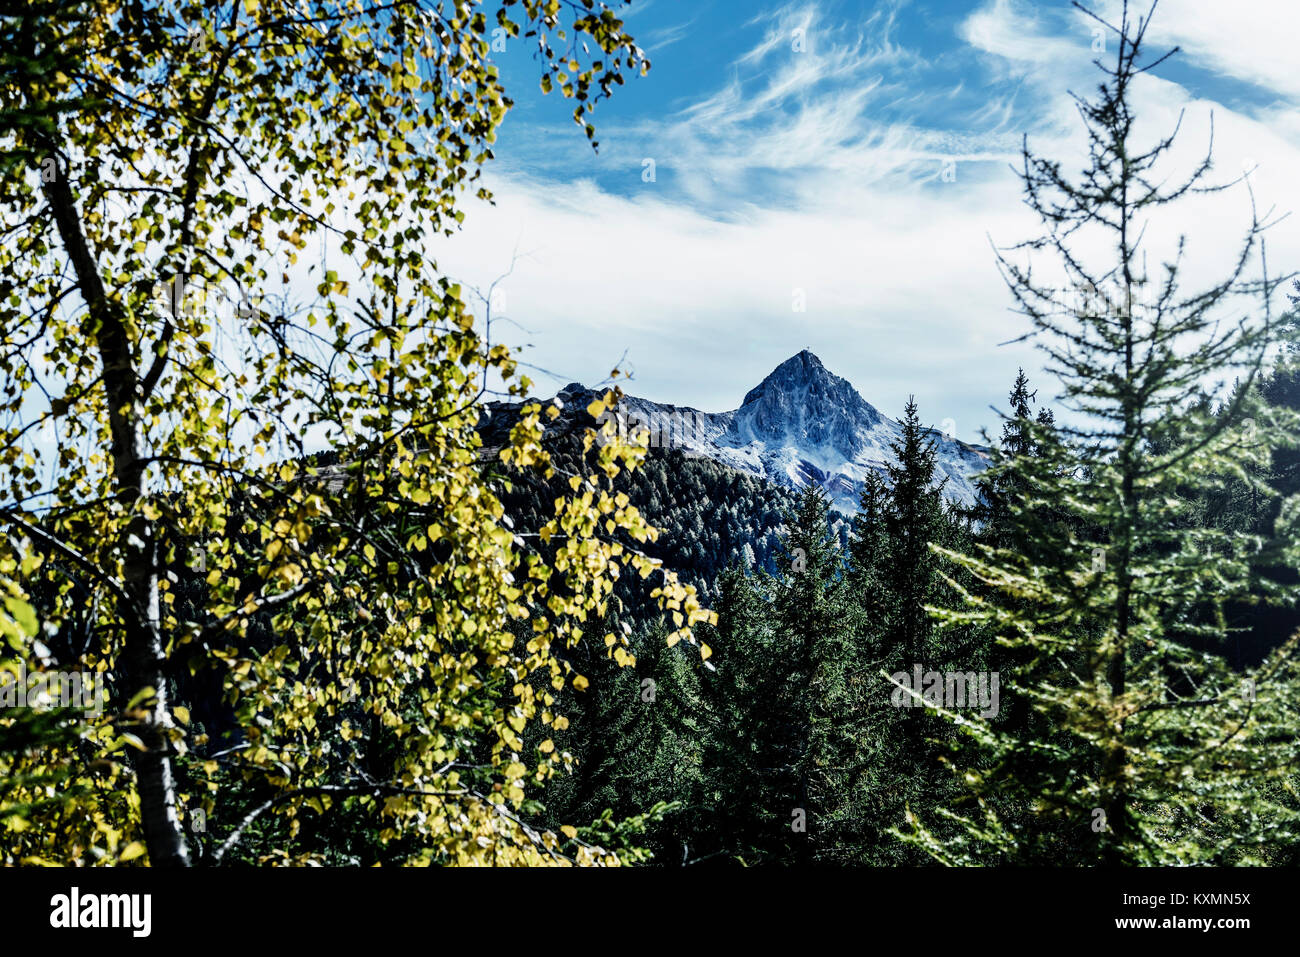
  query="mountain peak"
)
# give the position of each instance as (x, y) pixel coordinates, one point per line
(801, 369)
(801, 425)
(803, 403)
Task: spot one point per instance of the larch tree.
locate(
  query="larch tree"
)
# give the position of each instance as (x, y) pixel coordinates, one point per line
(1154, 749)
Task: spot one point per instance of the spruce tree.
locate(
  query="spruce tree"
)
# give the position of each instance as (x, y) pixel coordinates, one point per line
(869, 553)
(1161, 751)
(740, 753)
(913, 519)
(893, 575)
(999, 486)
(812, 628)
(784, 756)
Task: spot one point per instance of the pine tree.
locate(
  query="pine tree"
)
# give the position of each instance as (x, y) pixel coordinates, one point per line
(1161, 752)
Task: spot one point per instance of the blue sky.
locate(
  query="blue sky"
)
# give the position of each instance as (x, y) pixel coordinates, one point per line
(852, 156)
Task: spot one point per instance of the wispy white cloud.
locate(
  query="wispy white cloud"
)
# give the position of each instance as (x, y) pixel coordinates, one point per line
(1250, 40)
(797, 174)
(665, 37)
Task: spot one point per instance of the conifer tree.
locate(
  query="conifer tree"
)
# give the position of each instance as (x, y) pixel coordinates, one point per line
(740, 754)
(998, 486)
(786, 740)
(869, 551)
(893, 575)
(638, 738)
(913, 519)
(1161, 752)
(812, 632)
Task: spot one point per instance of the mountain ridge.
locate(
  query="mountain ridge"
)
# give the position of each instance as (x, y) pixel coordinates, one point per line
(801, 424)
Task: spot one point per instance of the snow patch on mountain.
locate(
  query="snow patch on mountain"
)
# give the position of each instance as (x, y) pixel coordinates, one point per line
(801, 425)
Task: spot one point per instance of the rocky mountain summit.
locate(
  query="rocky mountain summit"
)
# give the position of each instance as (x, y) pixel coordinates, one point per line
(802, 424)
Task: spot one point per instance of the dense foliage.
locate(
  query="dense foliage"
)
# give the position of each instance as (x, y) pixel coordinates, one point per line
(351, 655)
